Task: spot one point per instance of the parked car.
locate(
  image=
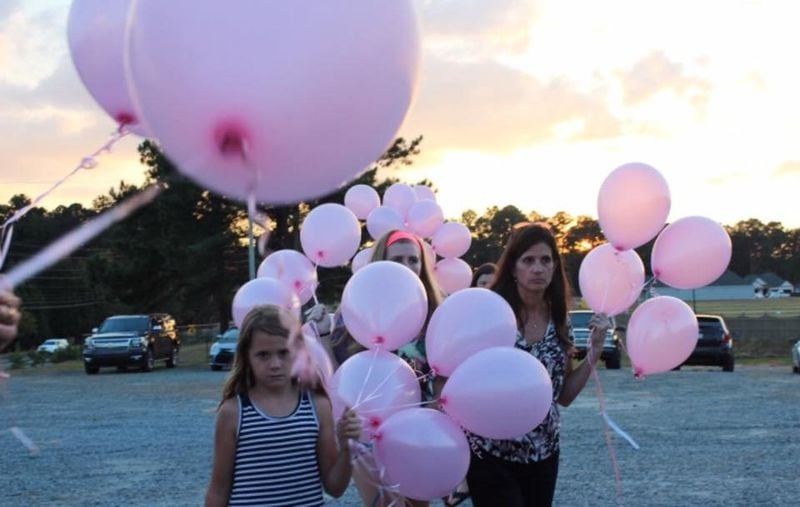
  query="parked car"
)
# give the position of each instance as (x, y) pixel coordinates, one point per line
(51, 345)
(611, 347)
(132, 340)
(221, 353)
(796, 357)
(714, 344)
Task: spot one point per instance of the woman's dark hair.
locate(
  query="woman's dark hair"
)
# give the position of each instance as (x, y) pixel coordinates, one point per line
(523, 236)
(488, 268)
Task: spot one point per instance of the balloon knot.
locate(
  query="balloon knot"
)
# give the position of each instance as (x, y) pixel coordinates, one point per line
(298, 284)
(125, 118)
(231, 142)
(379, 340)
(442, 400)
(374, 422)
(320, 254)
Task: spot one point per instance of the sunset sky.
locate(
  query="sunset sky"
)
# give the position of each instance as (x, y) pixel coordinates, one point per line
(530, 103)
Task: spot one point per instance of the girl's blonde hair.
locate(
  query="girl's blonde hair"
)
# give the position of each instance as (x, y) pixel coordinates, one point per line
(268, 319)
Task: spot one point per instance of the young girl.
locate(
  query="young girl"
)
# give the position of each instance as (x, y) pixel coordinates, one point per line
(275, 442)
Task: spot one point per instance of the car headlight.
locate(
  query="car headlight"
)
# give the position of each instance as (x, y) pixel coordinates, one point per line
(88, 344)
(137, 342)
(214, 350)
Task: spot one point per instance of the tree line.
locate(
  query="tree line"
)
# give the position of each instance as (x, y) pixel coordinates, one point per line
(187, 252)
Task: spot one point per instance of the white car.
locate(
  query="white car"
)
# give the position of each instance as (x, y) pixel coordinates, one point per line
(796, 357)
(222, 351)
(53, 344)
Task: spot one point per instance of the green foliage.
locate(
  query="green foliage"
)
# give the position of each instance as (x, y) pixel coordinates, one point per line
(17, 360)
(36, 358)
(71, 353)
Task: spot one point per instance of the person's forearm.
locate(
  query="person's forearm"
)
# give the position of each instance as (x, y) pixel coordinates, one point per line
(576, 380)
(339, 475)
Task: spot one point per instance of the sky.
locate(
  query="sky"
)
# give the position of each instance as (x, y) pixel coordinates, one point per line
(524, 102)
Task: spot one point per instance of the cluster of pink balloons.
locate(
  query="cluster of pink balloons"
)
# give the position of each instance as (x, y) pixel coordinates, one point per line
(414, 209)
(633, 205)
(493, 389)
(276, 101)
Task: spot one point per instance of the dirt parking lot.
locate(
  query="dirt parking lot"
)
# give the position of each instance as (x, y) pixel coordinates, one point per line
(706, 437)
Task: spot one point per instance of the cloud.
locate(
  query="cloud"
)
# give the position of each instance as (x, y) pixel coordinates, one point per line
(788, 168)
(7, 8)
(485, 105)
(656, 73)
(475, 27)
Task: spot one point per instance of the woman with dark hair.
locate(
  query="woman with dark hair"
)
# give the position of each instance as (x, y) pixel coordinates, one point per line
(483, 275)
(531, 277)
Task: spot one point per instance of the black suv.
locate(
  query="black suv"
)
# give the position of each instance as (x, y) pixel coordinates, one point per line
(580, 329)
(714, 344)
(132, 340)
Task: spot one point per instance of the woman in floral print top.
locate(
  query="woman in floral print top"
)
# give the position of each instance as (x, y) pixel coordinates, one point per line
(531, 277)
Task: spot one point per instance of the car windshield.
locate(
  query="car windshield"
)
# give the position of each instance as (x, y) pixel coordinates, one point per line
(125, 324)
(580, 319)
(231, 335)
(50, 342)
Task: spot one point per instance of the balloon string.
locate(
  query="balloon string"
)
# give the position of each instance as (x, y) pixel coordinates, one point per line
(314, 287)
(14, 429)
(407, 405)
(607, 422)
(373, 394)
(76, 238)
(88, 162)
(366, 378)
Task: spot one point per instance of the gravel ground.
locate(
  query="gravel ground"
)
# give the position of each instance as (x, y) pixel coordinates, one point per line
(706, 437)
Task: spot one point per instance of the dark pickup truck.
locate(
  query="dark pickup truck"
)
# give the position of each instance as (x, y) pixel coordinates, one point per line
(132, 340)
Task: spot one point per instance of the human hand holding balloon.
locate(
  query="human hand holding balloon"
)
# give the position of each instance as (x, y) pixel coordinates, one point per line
(348, 427)
(599, 325)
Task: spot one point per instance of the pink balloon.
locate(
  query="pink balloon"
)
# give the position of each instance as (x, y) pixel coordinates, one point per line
(361, 259)
(292, 268)
(282, 100)
(691, 252)
(424, 218)
(376, 384)
(633, 205)
(400, 197)
(96, 33)
(330, 235)
(423, 453)
(611, 280)
(501, 392)
(382, 220)
(263, 291)
(384, 305)
(424, 192)
(452, 239)
(465, 323)
(361, 200)
(662, 333)
(453, 275)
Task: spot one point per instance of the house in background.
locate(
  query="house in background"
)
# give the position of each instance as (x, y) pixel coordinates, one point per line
(732, 286)
(770, 285)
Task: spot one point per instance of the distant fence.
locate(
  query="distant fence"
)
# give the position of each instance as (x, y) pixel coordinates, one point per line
(198, 333)
(764, 336)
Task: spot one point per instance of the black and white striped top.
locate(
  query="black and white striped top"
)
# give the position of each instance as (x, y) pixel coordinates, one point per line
(276, 457)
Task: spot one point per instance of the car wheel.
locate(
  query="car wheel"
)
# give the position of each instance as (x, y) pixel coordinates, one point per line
(612, 363)
(727, 364)
(90, 370)
(149, 361)
(122, 368)
(216, 367)
(796, 369)
(172, 360)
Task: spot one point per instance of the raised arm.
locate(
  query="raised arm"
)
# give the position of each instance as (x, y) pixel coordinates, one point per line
(576, 377)
(219, 489)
